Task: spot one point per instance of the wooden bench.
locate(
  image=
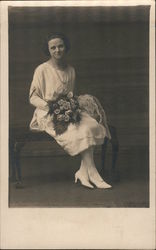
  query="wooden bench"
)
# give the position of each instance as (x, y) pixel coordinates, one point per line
(19, 137)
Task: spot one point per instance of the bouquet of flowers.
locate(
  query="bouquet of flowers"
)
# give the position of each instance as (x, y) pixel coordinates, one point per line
(64, 110)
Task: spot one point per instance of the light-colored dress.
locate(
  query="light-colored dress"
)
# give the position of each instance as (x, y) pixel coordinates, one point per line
(48, 83)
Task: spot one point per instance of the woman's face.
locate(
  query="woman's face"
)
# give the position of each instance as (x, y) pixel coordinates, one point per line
(57, 48)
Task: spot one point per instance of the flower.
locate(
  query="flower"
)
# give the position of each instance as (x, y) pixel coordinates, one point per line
(60, 102)
(55, 106)
(73, 106)
(60, 117)
(66, 118)
(72, 101)
(69, 106)
(68, 112)
(61, 108)
(70, 94)
(66, 105)
(56, 111)
(65, 110)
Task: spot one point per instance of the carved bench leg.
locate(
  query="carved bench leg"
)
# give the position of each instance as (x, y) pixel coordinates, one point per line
(103, 155)
(113, 173)
(115, 150)
(115, 176)
(17, 166)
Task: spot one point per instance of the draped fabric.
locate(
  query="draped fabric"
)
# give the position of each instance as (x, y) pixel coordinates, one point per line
(48, 83)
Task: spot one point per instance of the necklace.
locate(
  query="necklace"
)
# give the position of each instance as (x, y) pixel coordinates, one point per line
(63, 76)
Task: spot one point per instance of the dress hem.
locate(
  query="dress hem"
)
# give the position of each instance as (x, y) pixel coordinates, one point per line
(88, 144)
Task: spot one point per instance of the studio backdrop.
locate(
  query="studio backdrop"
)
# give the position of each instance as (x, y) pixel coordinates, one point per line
(110, 53)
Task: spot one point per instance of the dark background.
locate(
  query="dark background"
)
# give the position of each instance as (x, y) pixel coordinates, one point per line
(110, 52)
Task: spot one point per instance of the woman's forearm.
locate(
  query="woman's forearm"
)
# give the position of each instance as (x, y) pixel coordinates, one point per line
(39, 103)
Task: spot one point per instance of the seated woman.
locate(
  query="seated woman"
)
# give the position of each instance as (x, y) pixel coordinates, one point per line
(55, 78)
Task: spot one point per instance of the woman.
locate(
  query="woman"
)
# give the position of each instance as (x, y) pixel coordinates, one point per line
(52, 79)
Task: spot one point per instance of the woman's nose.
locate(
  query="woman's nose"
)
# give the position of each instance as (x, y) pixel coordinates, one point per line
(57, 49)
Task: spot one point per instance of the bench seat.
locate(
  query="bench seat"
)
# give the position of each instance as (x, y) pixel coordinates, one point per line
(18, 137)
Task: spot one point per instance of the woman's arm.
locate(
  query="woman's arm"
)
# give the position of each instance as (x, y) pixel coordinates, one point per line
(35, 96)
(37, 101)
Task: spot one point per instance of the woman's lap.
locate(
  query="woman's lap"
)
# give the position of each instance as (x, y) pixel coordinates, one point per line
(78, 137)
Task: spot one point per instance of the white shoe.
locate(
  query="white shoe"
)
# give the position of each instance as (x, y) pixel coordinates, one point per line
(100, 184)
(97, 180)
(82, 179)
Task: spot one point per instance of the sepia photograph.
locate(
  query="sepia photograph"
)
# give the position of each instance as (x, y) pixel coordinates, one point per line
(78, 125)
(79, 106)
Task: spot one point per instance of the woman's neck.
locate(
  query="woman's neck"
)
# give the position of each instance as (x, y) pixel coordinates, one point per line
(58, 64)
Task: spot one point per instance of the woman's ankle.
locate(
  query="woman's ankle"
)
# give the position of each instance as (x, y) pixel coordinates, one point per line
(94, 174)
(83, 171)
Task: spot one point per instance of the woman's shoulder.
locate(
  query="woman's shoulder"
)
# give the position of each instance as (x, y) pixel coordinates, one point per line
(71, 68)
(41, 67)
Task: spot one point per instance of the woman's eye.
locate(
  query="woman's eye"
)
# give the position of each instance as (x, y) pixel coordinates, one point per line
(54, 47)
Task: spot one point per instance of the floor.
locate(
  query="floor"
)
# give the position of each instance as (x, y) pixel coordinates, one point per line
(49, 182)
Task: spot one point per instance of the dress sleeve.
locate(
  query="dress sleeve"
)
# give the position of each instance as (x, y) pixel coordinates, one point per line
(35, 94)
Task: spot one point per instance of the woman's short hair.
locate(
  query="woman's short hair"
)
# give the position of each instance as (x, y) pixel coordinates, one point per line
(53, 36)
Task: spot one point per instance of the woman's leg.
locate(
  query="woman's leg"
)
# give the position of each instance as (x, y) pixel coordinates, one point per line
(82, 173)
(88, 171)
(93, 174)
(92, 171)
